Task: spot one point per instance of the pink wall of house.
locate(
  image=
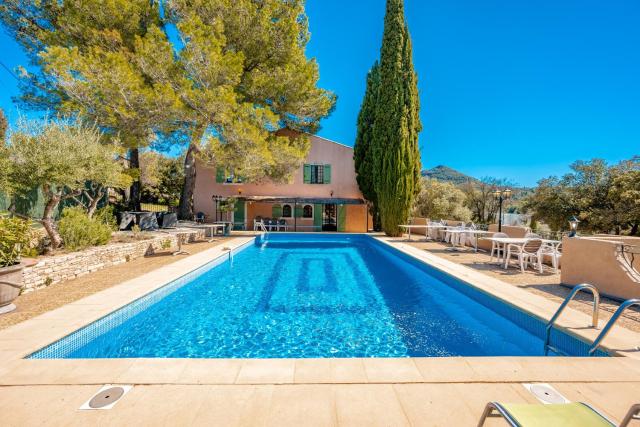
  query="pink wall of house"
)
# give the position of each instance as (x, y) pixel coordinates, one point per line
(343, 179)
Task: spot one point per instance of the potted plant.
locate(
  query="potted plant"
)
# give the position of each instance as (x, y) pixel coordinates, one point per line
(15, 235)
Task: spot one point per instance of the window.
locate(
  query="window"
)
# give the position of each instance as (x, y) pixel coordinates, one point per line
(286, 211)
(317, 174)
(307, 211)
(232, 179)
(225, 177)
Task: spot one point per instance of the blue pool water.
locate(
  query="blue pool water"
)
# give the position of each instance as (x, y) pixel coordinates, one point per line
(303, 296)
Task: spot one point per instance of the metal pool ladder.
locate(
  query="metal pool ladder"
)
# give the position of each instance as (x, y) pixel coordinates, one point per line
(594, 320)
(611, 322)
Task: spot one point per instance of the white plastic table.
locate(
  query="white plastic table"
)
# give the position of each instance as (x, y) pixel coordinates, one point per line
(409, 227)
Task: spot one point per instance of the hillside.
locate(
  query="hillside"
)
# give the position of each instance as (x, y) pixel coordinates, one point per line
(446, 174)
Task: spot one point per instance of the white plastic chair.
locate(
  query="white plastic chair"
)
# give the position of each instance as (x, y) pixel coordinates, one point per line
(555, 253)
(497, 247)
(528, 252)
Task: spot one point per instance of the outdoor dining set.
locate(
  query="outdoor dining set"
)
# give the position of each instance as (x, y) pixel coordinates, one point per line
(531, 249)
(269, 224)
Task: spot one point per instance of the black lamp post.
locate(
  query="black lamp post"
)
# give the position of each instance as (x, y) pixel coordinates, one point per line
(501, 196)
(573, 224)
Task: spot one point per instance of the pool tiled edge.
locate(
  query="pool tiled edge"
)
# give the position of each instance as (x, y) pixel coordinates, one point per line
(620, 341)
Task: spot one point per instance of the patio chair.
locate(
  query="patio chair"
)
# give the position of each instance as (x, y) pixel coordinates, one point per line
(554, 252)
(199, 217)
(531, 235)
(269, 223)
(282, 225)
(528, 252)
(574, 414)
(452, 238)
(257, 221)
(498, 248)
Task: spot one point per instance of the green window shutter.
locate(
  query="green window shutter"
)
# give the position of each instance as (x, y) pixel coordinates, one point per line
(276, 211)
(238, 215)
(342, 217)
(317, 216)
(298, 211)
(220, 175)
(307, 174)
(327, 174)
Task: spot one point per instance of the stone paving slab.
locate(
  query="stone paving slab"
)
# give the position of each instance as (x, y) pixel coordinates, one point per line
(453, 404)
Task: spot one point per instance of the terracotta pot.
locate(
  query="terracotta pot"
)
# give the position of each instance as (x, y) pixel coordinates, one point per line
(10, 286)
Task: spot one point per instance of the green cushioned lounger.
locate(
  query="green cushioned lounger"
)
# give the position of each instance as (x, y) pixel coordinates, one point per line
(557, 415)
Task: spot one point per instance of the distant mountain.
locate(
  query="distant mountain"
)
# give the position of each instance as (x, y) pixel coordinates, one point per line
(446, 174)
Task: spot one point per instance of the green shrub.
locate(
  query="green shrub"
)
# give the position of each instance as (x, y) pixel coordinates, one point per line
(107, 217)
(78, 231)
(15, 236)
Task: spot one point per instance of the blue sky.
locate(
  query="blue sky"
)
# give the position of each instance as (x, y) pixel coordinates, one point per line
(509, 88)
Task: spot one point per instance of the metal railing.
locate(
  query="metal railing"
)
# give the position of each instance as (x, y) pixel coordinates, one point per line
(611, 322)
(594, 318)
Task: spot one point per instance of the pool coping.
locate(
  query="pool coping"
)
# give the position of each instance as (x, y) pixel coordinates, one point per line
(27, 337)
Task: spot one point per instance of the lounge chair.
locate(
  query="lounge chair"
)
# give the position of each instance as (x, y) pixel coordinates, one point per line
(575, 414)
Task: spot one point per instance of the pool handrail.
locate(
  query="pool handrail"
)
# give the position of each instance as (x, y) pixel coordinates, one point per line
(574, 291)
(605, 331)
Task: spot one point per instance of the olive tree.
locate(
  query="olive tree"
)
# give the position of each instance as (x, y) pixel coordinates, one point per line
(65, 159)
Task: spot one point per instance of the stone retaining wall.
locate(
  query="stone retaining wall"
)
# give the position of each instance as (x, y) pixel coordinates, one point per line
(54, 269)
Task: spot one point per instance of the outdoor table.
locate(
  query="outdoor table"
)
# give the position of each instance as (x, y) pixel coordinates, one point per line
(211, 229)
(518, 241)
(228, 226)
(410, 227)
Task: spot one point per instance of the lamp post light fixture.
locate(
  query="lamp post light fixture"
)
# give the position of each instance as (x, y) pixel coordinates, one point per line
(573, 225)
(501, 196)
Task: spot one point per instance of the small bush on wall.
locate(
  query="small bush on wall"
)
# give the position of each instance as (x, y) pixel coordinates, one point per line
(78, 231)
(15, 236)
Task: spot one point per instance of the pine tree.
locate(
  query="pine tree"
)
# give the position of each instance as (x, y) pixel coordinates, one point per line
(363, 147)
(397, 124)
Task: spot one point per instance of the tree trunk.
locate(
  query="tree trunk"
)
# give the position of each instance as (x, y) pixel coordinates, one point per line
(47, 219)
(134, 191)
(94, 199)
(185, 211)
(634, 229)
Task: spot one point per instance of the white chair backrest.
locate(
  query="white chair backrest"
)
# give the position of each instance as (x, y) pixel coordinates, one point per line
(500, 235)
(532, 245)
(531, 236)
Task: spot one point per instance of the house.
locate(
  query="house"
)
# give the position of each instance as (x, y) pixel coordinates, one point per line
(323, 194)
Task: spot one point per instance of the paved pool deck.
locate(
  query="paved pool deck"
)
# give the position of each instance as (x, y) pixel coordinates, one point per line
(386, 392)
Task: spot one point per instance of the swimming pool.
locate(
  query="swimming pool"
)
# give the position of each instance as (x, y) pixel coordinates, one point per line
(313, 296)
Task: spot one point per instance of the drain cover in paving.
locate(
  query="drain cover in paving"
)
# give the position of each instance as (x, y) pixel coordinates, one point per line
(106, 397)
(545, 393)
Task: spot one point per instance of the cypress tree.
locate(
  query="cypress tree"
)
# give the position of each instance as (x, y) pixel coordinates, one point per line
(363, 149)
(397, 124)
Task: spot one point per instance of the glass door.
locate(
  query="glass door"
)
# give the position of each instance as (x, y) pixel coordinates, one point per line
(329, 218)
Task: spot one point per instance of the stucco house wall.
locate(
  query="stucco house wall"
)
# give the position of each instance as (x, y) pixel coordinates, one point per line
(343, 185)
